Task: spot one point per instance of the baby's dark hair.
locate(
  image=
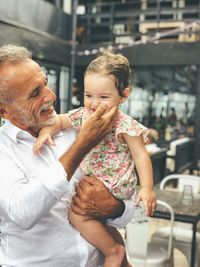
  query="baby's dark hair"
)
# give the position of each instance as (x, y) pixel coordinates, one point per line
(117, 65)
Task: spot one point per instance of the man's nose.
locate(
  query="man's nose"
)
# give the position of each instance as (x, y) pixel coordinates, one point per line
(49, 95)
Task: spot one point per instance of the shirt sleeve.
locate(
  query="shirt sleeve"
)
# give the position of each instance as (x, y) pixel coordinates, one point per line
(19, 195)
(126, 216)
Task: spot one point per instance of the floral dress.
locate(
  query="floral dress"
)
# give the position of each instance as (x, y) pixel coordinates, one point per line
(111, 161)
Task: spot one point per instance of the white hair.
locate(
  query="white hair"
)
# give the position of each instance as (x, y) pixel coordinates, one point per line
(10, 54)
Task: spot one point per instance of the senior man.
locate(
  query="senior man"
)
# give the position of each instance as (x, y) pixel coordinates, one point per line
(37, 191)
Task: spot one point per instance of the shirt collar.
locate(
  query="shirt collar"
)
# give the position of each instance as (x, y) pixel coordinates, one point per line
(12, 130)
(16, 133)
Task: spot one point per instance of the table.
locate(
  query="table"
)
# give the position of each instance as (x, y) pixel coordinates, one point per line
(189, 213)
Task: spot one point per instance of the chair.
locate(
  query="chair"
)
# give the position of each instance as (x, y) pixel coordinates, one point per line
(142, 253)
(180, 155)
(158, 160)
(182, 233)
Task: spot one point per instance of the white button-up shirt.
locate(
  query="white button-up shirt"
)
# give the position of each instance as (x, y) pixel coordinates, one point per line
(34, 198)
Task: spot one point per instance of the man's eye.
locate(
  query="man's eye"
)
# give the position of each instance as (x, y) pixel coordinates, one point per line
(35, 93)
(88, 95)
(104, 96)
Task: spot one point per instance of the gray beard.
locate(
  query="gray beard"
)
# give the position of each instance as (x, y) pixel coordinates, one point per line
(31, 122)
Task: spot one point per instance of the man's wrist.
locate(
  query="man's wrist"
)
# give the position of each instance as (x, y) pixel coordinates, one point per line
(83, 146)
(118, 210)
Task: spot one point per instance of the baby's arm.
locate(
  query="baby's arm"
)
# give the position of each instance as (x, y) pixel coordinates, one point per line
(145, 172)
(45, 135)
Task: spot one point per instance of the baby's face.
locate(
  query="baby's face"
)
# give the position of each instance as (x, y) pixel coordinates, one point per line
(100, 89)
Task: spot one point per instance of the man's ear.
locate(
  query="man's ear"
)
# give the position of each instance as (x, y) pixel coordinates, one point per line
(126, 93)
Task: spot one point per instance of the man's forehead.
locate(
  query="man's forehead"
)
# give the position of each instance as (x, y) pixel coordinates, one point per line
(10, 69)
(26, 72)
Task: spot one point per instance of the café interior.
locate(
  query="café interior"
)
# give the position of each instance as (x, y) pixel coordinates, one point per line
(161, 40)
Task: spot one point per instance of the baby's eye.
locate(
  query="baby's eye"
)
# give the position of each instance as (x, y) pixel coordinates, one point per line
(88, 95)
(104, 96)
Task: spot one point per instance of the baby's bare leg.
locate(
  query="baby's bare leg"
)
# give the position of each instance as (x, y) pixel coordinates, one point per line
(118, 238)
(95, 232)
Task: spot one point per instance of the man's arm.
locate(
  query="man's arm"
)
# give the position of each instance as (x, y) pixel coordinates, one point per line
(93, 130)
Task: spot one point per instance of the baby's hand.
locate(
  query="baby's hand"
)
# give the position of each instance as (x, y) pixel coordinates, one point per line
(43, 138)
(148, 197)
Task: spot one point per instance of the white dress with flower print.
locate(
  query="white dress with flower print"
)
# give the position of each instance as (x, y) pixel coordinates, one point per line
(111, 161)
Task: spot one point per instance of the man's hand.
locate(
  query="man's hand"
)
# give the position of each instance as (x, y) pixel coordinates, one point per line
(96, 127)
(92, 199)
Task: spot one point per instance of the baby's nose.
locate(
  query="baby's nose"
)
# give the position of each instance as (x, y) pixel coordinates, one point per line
(95, 103)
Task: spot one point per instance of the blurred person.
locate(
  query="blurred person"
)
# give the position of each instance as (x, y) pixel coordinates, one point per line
(151, 118)
(160, 123)
(172, 118)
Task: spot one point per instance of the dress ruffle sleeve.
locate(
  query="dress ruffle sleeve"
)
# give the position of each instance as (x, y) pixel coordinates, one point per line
(126, 124)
